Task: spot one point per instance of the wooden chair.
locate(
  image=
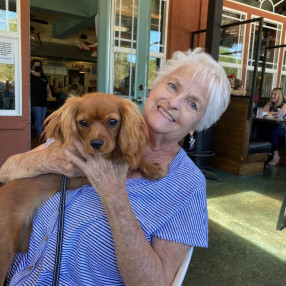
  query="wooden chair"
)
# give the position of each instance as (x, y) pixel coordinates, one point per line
(179, 278)
(234, 153)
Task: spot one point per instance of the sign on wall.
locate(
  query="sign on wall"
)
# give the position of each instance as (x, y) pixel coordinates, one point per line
(7, 51)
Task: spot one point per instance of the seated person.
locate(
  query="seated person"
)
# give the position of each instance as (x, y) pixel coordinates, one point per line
(276, 102)
(124, 229)
(238, 88)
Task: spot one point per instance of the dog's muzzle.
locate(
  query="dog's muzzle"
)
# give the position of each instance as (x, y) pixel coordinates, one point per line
(96, 143)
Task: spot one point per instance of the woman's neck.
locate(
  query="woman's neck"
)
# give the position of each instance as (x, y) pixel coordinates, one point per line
(161, 154)
(155, 154)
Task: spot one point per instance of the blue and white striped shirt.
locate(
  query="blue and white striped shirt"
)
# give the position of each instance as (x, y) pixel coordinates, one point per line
(173, 208)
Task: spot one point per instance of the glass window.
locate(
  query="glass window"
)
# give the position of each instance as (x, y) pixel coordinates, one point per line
(269, 78)
(68, 77)
(271, 34)
(8, 16)
(125, 44)
(125, 23)
(10, 76)
(283, 82)
(124, 73)
(284, 61)
(283, 72)
(158, 27)
(231, 43)
(7, 87)
(158, 36)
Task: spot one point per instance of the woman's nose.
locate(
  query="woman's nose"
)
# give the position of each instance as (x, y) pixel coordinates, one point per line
(175, 102)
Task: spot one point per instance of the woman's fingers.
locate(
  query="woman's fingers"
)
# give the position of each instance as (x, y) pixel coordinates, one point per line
(76, 160)
(56, 161)
(80, 149)
(103, 173)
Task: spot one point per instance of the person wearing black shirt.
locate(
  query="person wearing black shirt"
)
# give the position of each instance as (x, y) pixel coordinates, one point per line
(40, 90)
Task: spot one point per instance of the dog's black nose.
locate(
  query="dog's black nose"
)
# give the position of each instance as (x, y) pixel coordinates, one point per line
(96, 143)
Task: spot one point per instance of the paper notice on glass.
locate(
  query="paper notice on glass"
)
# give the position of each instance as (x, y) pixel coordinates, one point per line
(7, 51)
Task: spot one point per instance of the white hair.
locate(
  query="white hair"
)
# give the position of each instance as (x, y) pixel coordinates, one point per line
(208, 73)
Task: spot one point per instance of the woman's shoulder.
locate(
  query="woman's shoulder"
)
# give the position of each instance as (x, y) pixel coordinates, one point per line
(182, 163)
(184, 174)
(183, 179)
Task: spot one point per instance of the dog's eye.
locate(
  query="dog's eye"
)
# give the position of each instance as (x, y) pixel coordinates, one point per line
(83, 123)
(112, 123)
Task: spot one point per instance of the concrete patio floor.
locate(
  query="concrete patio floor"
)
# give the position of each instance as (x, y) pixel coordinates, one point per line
(244, 246)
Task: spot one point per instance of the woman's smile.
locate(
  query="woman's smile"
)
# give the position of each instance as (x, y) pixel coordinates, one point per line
(166, 114)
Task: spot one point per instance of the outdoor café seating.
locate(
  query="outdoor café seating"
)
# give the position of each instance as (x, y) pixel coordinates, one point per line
(234, 151)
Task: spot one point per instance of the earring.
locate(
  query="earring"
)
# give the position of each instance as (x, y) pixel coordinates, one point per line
(192, 142)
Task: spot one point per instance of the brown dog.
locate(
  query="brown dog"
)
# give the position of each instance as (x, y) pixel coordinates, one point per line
(105, 124)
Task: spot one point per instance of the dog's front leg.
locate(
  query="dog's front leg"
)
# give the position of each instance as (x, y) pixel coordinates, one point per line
(8, 245)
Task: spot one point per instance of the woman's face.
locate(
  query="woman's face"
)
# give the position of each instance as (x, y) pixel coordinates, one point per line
(274, 97)
(176, 105)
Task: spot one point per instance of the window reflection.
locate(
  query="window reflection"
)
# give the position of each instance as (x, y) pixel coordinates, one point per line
(271, 34)
(232, 46)
(124, 26)
(8, 16)
(124, 73)
(8, 24)
(7, 87)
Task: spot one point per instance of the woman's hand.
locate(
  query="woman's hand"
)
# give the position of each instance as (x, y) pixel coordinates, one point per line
(54, 160)
(266, 107)
(105, 175)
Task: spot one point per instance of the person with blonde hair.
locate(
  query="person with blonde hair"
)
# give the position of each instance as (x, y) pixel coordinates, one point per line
(276, 102)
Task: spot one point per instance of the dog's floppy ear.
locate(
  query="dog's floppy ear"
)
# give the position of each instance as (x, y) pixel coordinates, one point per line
(61, 123)
(133, 133)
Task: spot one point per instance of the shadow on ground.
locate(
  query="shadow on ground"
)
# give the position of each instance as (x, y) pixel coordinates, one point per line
(244, 246)
(231, 260)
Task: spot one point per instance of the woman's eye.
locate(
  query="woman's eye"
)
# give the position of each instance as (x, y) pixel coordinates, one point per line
(172, 86)
(83, 123)
(193, 105)
(112, 123)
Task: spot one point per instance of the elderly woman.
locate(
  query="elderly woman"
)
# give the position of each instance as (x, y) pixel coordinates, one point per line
(124, 229)
(277, 102)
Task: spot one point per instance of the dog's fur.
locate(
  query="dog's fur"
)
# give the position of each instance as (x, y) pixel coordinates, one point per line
(105, 124)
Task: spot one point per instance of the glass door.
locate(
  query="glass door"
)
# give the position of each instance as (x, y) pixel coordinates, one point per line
(138, 46)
